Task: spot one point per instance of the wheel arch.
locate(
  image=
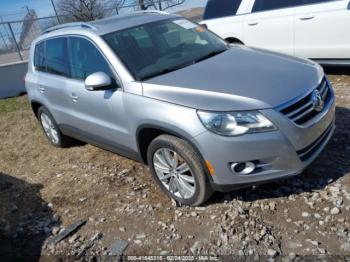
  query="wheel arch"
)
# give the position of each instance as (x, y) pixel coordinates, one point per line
(234, 40)
(146, 133)
(35, 107)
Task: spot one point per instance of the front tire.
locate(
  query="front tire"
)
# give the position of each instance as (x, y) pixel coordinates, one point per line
(178, 170)
(51, 129)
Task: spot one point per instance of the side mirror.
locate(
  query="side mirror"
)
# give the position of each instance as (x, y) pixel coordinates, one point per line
(98, 81)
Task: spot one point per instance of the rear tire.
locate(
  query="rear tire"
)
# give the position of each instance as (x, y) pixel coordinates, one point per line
(51, 129)
(178, 170)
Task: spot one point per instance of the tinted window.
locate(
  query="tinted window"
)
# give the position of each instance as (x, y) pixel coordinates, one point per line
(221, 8)
(265, 5)
(56, 56)
(86, 59)
(39, 57)
(309, 2)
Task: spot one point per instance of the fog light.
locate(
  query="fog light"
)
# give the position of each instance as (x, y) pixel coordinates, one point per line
(243, 168)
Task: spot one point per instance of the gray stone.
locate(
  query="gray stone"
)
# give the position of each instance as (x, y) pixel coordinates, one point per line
(138, 242)
(140, 236)
(335, 211)
(193, 214)
(73, 238)
(195, 247)
(345, 247)
(96, 237)
(305, 214)
(118, 248)
(271, 252)
(292, 256)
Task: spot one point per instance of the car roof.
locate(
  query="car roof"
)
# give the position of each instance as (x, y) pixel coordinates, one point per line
(114, 23)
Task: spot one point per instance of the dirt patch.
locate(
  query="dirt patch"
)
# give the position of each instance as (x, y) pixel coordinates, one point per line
(306, 215)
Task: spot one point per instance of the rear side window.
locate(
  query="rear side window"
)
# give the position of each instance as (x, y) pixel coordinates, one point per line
(310, 2)
(221, 8)
(39, 57)
(56, 57)
(266, 5)
(86, 59)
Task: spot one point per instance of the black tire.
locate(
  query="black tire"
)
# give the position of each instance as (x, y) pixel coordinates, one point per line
(63, 141)
(203, 189)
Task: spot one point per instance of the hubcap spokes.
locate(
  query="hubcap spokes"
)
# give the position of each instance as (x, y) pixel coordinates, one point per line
(49, 128)
(174, 173)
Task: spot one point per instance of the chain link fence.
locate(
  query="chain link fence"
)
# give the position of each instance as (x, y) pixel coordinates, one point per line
(16, 36)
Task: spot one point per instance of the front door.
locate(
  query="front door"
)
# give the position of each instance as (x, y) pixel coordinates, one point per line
(270, 26)
(99, 115)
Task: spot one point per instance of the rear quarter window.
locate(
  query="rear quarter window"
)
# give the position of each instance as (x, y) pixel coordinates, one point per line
(39, 57)
(221, 8)
(267, 5)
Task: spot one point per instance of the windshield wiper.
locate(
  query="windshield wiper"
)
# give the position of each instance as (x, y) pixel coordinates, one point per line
(167, 70)
(211, 54)
(174, 68)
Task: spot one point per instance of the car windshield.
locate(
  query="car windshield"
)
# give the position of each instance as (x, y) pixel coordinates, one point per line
(160, 47)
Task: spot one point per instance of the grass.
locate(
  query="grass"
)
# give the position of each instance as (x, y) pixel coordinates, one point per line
(10, 105)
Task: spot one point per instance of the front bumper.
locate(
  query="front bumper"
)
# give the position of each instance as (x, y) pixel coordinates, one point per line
(282, 153)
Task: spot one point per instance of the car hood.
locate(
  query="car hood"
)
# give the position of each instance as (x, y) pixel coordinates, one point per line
(240, 78)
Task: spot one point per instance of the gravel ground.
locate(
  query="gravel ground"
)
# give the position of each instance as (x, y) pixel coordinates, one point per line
(43, 190)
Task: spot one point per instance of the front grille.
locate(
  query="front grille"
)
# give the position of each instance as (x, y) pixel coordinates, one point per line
(303, 110)
(307, 152)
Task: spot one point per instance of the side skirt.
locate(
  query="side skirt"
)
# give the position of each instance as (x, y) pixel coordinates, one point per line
(100, 142)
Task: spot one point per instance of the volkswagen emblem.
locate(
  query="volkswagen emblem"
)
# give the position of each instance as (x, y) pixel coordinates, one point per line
(317, 101)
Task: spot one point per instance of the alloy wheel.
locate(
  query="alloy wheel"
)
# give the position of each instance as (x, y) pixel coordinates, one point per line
(49, 128)
(174, 173)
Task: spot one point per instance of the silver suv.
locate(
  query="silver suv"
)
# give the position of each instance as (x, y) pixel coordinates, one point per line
(203, 114)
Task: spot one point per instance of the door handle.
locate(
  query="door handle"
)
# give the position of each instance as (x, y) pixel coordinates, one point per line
(304, 18)
(74, 97)
(41, 89)
(253, 23)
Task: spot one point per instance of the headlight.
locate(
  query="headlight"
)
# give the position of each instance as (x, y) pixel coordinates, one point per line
(235, 123)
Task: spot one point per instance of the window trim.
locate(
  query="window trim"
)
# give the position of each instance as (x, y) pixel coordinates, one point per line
(271, 10)
(225, 16)
(114, 72)
(44, 72)
(283, 8)
(34, 55)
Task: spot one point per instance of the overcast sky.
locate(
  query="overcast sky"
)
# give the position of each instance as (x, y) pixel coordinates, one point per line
(16, 9)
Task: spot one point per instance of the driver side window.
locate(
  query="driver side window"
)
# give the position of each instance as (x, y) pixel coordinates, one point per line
(85, 59)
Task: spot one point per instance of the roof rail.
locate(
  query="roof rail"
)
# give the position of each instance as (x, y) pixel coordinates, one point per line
(151, 11)
(69, 25)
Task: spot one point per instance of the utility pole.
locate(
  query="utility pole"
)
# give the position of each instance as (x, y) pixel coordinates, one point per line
(54, 8)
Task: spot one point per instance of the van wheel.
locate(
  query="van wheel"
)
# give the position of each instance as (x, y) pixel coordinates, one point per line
(51, 130)
(177, 169)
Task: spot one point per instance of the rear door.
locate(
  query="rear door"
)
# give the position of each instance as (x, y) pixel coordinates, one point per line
(52, 70)
(322, 29)
(271, 25)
